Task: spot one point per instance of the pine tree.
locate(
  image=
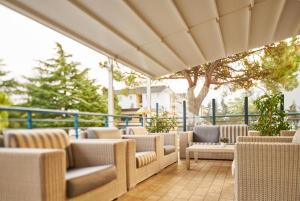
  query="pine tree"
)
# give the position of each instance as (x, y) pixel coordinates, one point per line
(60, 84)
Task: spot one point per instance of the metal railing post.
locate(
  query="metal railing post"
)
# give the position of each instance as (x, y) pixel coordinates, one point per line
(156, 109)
(126, 122)
(214, 111)
(282, 102)
(246, 112)
(29, 120)
(184, 115)
(142, 121)
(106, 121)
(76, 125)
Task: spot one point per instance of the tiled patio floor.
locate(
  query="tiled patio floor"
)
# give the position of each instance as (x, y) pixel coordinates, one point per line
(208, 180)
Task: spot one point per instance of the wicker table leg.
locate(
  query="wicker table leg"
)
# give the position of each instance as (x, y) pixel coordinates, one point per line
(187, 159)
(196, 156)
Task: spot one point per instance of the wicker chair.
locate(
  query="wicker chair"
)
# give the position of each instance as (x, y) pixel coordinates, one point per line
(170, 150)
(267, 168)
(42, 165)
(143, 156)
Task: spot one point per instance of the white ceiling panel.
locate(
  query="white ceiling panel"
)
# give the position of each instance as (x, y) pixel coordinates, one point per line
(147, 65)
(160, 15)
(197, 12)
(187, 49)
(234, 28)
(263, 22)
(289, 20)
(207, 36)
(163, 54)
(119, 17)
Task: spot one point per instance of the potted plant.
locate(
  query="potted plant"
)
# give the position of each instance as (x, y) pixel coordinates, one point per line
(272, 118)
(224, 141)
(161, 123)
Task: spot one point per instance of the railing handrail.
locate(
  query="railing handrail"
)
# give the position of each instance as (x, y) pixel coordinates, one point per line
(54, 111)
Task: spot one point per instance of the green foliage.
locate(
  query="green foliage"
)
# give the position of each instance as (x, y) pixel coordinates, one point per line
(7, 85)
(4, 100)
(281, 65)
(224, 140)
(130, 79)
(161, 123)
(271, 118)
(59, 83)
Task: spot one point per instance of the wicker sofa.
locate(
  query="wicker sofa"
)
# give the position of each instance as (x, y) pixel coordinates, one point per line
(43, 165)
(267, 168)
(143, 154)
(211, 135)
(170, 150)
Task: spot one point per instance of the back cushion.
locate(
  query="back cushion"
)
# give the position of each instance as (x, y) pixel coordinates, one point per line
(103, 133)
(231, 132)
(206, 134)
(40, 138)
(296, 138)
(138, 130)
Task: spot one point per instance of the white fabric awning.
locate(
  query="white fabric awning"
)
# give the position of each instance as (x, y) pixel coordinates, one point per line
(159, 37)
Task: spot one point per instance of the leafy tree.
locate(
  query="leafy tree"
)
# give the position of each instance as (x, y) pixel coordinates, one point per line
(4, 100)
(274, 65)
(60, 84)
(130, 79)
(271, 118)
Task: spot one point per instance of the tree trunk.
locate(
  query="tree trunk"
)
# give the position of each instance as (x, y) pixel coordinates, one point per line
(194, 103)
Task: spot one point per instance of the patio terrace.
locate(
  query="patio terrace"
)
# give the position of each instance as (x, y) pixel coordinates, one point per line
(209, 180)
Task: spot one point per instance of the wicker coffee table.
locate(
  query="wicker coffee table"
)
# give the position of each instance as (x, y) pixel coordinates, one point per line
(197, 148)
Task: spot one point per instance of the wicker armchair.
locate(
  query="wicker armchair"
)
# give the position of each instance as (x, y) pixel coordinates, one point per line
(42, 165)
(267, 168)
(169, 151)
(143, 154)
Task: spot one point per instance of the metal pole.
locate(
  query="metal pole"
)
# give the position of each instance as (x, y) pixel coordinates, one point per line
(76, 124)
(110, 94)
(149, 96)
(106, 121)
(282, 102)
(184, 115)
(29, 120)
(126, 122)
(214, 111)
(157, 109)
(246, 112)
(142, 121)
